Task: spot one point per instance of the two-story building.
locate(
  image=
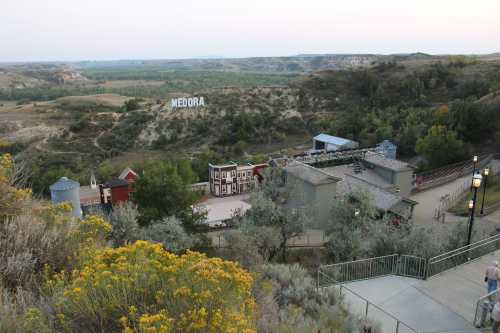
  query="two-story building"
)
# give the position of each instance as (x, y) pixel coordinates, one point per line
(230, 179)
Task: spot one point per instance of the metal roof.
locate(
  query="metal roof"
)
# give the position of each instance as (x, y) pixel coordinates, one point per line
(310, 174)
(334, 140)
(382, 161)
(125, 172)
(382, 199)
(63, 184)
(117, 182)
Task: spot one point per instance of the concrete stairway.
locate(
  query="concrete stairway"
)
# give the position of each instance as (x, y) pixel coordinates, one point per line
(443, 303)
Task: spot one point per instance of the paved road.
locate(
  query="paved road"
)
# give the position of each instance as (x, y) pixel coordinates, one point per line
(443, 303)
(428, 200)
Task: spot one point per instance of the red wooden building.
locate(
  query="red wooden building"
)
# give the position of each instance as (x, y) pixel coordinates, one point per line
(119, 191)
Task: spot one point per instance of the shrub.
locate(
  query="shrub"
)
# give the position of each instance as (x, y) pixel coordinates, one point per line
(125, 227)
(142, 288)
(12, 199)
(170, 232)
(49, 238)
(289, 302)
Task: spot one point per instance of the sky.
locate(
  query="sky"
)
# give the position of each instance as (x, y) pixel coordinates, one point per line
(70, 30)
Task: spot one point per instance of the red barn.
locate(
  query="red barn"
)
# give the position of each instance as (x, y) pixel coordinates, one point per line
(129, 175)
(119, 189)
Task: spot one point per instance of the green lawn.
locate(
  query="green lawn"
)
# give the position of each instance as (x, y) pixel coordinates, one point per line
(492, 197)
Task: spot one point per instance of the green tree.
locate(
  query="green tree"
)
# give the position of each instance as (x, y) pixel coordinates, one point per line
(160, 192)
(440, 146)
(132, 104)
(350, 215)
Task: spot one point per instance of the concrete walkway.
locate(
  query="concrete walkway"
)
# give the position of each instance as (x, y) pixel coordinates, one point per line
(428, 200)
(443, 303)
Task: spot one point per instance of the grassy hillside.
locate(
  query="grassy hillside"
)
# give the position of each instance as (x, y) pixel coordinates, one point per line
(399, 101)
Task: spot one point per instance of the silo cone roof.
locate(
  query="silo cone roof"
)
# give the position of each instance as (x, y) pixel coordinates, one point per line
(64, 184)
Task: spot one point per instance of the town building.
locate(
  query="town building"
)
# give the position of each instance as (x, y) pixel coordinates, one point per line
(119, 191)
(317, 188)
(111, 192)
(129, 175)
(230, 179)
(326, 143)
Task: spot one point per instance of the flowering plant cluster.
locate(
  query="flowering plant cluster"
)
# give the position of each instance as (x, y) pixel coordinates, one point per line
(143, 288)
(11, 198)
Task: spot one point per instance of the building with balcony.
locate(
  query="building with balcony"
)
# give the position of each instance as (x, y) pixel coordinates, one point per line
(230, 179)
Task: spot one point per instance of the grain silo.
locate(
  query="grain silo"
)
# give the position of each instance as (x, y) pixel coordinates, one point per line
(67, 190)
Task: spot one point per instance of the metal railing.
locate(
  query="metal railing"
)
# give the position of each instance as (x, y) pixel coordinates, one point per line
(358, 269)
(389, 322)
(462, 255)
(411, 266)
(493, 296)
(362, 306)
(394, 264)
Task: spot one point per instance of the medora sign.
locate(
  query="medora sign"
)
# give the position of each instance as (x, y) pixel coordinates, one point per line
(187, 102)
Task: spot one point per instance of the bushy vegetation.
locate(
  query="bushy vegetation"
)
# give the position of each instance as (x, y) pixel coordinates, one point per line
(61, 274)
(356, 231)
(174, 81)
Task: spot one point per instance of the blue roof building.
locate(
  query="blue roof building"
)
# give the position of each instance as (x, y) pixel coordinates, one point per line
(332, 143)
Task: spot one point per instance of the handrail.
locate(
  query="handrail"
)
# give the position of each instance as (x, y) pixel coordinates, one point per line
(357, 261)
(368, 303)
(466, 246)
(469, 249)
(362, 269)
(478, 303)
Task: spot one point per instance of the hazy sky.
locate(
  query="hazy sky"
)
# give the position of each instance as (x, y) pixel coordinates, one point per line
(128, 29)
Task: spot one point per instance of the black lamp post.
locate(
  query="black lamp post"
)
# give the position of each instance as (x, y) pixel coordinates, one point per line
(474, 162)
(486, 174)
(476, 183)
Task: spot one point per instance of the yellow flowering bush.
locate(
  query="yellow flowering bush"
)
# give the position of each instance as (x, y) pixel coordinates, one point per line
(12, 199)
(143, 288)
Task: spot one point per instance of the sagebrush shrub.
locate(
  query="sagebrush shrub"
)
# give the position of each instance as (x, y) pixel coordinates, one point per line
(143, 288)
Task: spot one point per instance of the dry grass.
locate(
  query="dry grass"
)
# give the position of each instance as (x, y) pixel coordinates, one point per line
(129, 83)
(101, 99)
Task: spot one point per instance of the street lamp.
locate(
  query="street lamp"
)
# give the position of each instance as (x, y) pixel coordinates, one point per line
(486, 174)
(476, 183)
(474, 162)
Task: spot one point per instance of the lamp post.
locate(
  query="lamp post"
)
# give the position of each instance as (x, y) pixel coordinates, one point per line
(476, 183)
(486, 174)
(474, 162)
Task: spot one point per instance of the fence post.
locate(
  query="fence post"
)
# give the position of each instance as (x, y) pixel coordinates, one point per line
(397, 326)
(366, 310)
(317, 279)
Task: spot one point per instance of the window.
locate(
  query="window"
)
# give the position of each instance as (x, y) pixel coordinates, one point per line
(234, 187)
(239, 174)
(223, 189)
(216, 174)
(233, 173)
(249, 173)
(223, 174)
